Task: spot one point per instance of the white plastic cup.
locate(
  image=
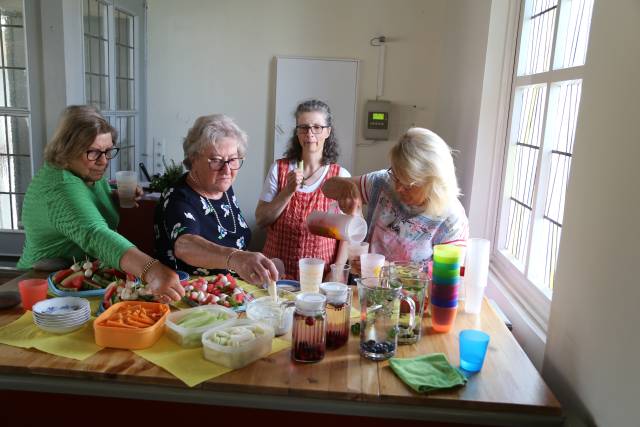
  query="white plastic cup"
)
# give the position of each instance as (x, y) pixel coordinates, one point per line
(337, 226)
(371, 265)
(340, 272)
(127, 182)
(476, 273)
(311, 272)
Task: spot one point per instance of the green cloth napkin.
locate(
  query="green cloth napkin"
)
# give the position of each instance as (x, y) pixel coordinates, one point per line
(427, 373)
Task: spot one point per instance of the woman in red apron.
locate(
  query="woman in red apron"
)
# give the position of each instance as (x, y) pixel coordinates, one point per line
(292, 190)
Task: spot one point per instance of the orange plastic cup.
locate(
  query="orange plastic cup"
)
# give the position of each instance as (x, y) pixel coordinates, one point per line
(442, 318)
(32, 291)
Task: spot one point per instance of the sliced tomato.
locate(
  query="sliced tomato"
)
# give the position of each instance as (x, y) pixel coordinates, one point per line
(61, 275)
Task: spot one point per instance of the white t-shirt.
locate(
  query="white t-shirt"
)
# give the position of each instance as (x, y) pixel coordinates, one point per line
(270, 186)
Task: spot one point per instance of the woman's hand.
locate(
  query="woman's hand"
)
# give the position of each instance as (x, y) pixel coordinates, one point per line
(138, 196)
(294, 181)
(164, 283)
(253, 267)
(346, 192)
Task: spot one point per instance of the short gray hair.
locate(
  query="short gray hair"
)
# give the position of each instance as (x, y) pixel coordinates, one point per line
(208, 130)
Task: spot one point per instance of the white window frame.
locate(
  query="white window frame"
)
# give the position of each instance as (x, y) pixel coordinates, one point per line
(529, 301)
(113, 114)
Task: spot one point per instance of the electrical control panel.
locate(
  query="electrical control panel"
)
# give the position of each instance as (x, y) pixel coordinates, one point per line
(377, 120)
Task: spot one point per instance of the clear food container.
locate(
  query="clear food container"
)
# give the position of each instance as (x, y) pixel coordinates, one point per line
(233, 347)
(199, 320)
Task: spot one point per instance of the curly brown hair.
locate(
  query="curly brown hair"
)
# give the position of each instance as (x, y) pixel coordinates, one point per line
(330, 151)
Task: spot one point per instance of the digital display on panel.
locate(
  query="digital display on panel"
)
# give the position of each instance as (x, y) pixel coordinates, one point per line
(378, 116)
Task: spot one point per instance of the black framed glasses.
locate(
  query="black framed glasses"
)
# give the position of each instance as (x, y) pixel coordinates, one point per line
(316, 129)
(94, 155)
(218, 164)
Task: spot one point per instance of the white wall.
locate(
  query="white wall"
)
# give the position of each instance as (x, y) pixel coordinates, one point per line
(593, 340)
(459, 93)
(217, 56)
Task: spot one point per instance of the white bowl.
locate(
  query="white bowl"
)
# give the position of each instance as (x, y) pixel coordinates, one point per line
(60, 306)
(60, 330)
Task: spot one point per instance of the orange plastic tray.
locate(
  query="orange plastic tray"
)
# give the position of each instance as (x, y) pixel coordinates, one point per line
(131, 339)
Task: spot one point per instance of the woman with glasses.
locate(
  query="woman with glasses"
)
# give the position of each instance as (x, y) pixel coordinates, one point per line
(199, 226)
(412, 205)
(291, 192)
(69, 210)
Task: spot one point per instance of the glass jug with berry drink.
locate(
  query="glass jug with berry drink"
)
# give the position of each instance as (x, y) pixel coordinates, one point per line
(308, 336)
(338, 313)
(379, 315)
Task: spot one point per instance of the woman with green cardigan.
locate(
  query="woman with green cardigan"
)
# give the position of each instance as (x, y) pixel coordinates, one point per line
(69, 210)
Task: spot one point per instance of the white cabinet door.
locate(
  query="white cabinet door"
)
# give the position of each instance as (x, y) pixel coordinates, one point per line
(334, 81)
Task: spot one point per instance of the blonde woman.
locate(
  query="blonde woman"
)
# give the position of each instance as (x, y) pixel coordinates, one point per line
(413, 204)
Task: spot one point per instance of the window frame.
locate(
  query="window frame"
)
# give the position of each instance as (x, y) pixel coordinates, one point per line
(528, 298)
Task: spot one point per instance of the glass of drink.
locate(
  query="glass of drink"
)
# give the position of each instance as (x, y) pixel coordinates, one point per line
(340, 272)
(311, 272)
(127, 182)
(355, 250)
(371, 265)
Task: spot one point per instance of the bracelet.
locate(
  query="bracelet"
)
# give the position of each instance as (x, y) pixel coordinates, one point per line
(235, 251)
(147, 267)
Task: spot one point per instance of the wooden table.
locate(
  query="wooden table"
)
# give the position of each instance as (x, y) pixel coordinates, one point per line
(507, 391)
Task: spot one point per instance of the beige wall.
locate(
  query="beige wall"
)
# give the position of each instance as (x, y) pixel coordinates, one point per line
(217, 56)
(593, 339)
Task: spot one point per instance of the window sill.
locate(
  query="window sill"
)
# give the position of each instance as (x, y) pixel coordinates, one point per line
(528, 310)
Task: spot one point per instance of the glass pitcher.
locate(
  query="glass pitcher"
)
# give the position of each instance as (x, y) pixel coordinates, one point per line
(379, 315)
(413, 278)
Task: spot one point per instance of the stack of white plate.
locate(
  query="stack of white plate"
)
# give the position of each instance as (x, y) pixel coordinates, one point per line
(61, 315)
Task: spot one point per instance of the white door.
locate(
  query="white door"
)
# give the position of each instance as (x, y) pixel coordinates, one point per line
(334, 81)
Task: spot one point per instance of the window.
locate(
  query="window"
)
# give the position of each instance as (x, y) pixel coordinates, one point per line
(545, 99)
(15, 115)
(110, 69)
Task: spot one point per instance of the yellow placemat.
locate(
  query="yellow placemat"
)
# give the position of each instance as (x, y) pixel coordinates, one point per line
(24, 333)
(189, 364)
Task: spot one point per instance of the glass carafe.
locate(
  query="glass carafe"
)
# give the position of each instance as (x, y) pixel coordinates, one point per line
(379, 315)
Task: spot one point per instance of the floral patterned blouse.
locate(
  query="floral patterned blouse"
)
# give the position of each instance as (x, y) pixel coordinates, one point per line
(183, 211)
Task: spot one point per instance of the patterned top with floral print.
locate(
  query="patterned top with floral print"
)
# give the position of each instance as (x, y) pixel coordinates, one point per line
(402, 235)
(183, 211)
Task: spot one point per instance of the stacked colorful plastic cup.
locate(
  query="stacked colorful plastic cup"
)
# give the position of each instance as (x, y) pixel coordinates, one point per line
(444, 286)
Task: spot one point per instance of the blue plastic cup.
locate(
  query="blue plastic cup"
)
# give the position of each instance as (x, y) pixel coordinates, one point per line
(473, 348)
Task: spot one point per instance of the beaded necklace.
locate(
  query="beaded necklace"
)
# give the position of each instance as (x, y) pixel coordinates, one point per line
(212, 208)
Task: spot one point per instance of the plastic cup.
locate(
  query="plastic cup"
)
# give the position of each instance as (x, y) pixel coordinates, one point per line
(371, 265)
(354, 250)
(32, 291)
(473, 348)
(337, 226)
(448, 254)
(311, 271)
(442, 318)
(340, 272)
(476, 274)
(127, 182)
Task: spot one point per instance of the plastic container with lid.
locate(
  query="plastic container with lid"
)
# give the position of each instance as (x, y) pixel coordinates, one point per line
(308, 337)
(337, 226)
(338, 313)
(261, 307)
(129, 338)
(237, 344)
(207, 316)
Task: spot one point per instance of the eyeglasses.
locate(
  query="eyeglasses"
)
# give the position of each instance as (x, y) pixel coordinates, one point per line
(397, 182)
(94, 155)
(316, 129)
(218, 164)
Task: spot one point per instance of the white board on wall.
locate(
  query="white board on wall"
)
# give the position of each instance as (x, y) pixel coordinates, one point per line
(334, 81)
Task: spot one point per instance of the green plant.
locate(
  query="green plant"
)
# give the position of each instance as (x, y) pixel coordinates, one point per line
(172, 173)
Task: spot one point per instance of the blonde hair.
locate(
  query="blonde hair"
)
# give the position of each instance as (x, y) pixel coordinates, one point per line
(78, 127)
(208, 130)
(421, 156)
